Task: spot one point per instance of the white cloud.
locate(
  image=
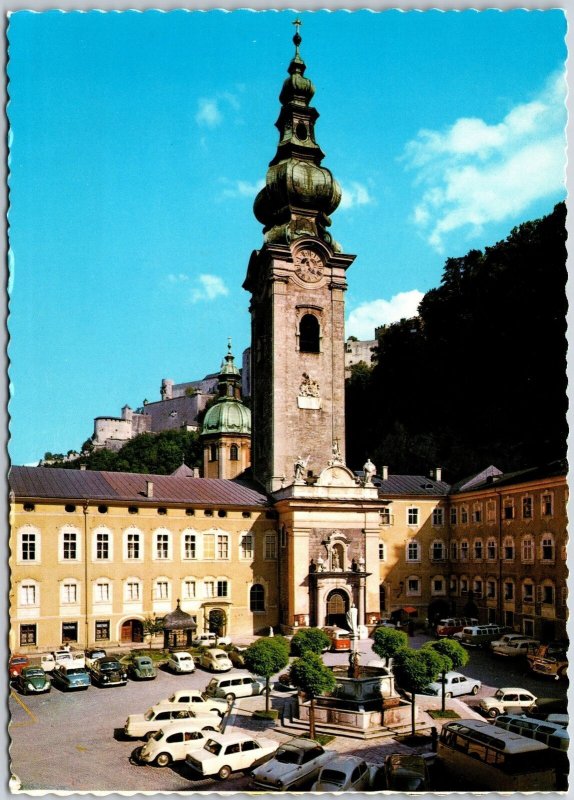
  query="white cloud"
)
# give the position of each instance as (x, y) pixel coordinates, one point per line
(354, 194)
(241, 188)
(211, 110)
(475, 173)
(208, 287)
(180, 277)
(365, 318)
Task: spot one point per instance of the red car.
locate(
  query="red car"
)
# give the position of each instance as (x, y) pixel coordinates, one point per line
(17, 664)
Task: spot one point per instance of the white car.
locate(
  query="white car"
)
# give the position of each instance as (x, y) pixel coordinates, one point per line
(181, 662)
(507, 699)
(346, 774)
(210, 640)
(172, 743)
(517, 647)
(295, 766)
(455, 684)
(198, 701)
(504, 640)
(225, 753)
(215, 660)
(140, 725)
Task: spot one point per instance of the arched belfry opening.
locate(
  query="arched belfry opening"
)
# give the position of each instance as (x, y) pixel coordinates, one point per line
(309, 334)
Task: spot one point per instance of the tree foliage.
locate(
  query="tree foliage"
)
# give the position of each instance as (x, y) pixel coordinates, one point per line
(309, 640)
(454, 657)
(497, 320)
(312, 677)
(152, 627)
(415, 669)
(386, 641)
(265, 657)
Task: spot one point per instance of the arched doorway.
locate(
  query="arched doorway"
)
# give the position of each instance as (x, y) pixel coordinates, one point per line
(438, 609)
(132, 631)
(337, 607)
(217, 622)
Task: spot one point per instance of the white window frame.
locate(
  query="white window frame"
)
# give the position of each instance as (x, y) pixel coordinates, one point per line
(192, 584)
(441, 591)
(547, 537)
(189, 534)
(436, 543)
(69, 592)
(415, 545)
(528, 599)
(414, 591)
(166, 545)
(382, 551)
(478, 540)
(438, 517)
(102, 531)
(246, 546)
(29, 530)
(223, 583)
(127, 592)
(505, 547)
(102, 591)
(413, 516)
(464, 550)
(527, 558)
(129, 532)
(489, 542)
(65, 532)
(162, 588)
(209, 537)
(29, 594)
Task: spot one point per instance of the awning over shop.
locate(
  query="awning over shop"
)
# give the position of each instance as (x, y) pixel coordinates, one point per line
(410, 609)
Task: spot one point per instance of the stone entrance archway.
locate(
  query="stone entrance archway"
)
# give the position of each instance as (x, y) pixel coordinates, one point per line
(336, 609)
(132, 631)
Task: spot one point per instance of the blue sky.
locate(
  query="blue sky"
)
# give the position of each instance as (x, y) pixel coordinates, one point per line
(139, 140)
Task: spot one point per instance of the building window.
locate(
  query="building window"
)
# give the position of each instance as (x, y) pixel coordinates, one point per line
(213, 452)
(382, 552)
(133, 548)
(548, 594)
(478, 549)
(438, 550)
(438, 516)
(477, 587)
(491, 511)
(438, 586)
(29, 507)
(528, 627)
(477, 515)
(188, 589)
(526, 508)
(209, 588)
(413, 551)
(69, 593)
(508, 509)
(491, 589)
(161, 590)
(509, 619)
(222, 589)
(454, 550)
(246, 547)
(29, 546)
(464, 550)
(189, 546)
(491, 549)
(413, 586)
(412, 516)
(270, 547)
(132, 591)
(546, 505)
(508, 549)
(386, 517)
(528, 592)
(464, 586)
(222, 546)
(162, 546)
(547, 548)
(102, 630)
(234, 453)
(464, 515)
(209, 546)
(69, 632)
(453, 515)
(509, 590)
(528, 549)
(69, 546)
(102, 592)
(309, 334)
(27, 635)
(102, 546)
(28, 594)
(257, 598)
(453, 584)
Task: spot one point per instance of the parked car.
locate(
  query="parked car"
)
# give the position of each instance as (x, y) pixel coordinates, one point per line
(550, 661)
(232, 686)
(215, 660)
(455, 684)
(481, 635)
(346, 774)
(68, 678)
(156, 717)
(32, 680)
(225, 753)
(17, 664)
(235, 655)
(406, 773)
(181, 662)
(198, 701)
(108, 672)
(71, 658)
(385, 623)
(93, 655)
(210, 640)
(295, 765)
(507, 699)
(517, 647)
(451, 625)
(172, 743)
(506, 639)
(141, 668)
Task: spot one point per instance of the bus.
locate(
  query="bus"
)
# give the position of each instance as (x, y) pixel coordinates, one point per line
(340, 638)
(554, 734)
(492, 758)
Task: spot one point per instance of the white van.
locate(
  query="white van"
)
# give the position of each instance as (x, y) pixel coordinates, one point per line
(172, 743)
(233, 686)
(479, 635)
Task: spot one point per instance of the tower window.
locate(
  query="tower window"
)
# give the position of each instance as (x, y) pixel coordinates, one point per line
(234, 453)
(309, 334)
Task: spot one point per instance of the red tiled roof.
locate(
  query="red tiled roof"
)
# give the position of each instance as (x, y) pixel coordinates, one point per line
(71, 484)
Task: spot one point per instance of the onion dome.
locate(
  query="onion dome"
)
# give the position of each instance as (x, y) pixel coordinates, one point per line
(228, 414)
(299, 194)
(178, 620)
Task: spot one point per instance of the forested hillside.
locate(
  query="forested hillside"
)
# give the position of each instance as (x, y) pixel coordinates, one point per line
(481, 377)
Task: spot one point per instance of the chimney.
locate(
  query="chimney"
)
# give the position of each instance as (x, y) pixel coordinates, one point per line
(385, 473)
(82, 467)
(149, 489)
(438, 474)
(196, 472)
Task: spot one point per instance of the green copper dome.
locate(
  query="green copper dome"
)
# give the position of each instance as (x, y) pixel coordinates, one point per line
(228, 414)
(299, 194)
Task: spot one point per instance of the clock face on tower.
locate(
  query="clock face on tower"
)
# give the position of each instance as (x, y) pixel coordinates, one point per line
(308, 265)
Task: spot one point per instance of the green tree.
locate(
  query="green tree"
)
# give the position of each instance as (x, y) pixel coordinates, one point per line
(455, 657)
(312, 677)
(265, 657)
(386, 641)
(415, 669)
(309, 640)
(151, 627)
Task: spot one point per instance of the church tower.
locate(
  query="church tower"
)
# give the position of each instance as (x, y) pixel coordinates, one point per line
(297, 281)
